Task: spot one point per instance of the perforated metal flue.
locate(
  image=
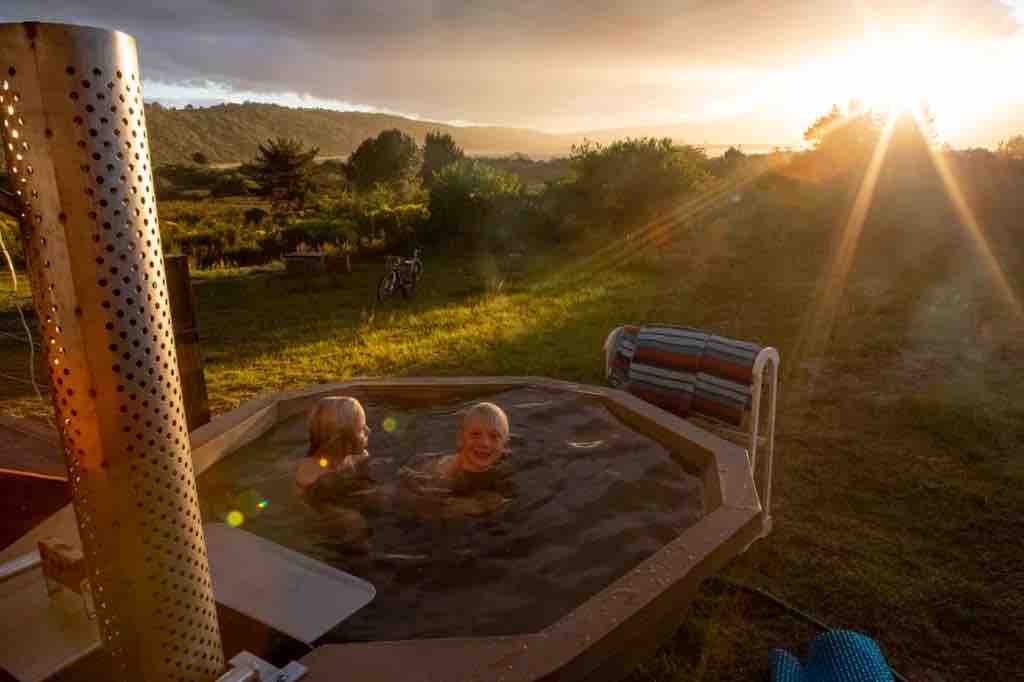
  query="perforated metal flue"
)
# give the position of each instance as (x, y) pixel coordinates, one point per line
(75, 142)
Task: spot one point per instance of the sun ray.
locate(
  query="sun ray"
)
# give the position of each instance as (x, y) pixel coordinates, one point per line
(660, 229)
(971, 224)
(818, 327)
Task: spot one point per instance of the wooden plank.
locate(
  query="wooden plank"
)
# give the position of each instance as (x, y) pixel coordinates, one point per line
(296, 595)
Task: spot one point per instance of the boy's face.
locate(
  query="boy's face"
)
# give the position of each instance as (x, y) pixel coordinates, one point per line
(482, 444)
(362, 434)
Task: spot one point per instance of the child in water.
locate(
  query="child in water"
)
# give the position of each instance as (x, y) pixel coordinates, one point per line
(333, 477)
(338, 436)
(481, 446)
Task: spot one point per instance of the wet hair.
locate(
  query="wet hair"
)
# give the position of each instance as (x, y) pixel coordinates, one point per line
(333, 422)
(489, 414)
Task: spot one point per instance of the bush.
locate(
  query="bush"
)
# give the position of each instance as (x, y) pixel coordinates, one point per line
(469, 200)
(245, 256)
(255, 216)
(625, 184)
(232, 185)
(391, 157)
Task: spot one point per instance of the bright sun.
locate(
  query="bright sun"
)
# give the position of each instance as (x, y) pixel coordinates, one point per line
(895, 75)
(897, 72)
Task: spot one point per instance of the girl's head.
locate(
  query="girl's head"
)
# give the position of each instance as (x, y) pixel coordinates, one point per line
(337, 427)
(483, 440)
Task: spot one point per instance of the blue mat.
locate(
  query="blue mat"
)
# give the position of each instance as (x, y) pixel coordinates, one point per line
(835, 656)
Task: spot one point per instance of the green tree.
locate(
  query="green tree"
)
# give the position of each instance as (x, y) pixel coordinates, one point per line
(391, 157)
(731, 161)
(439, 150)
(845, 138)
(471, 200)
(630, 180)
(1012, 148)
(282, 170)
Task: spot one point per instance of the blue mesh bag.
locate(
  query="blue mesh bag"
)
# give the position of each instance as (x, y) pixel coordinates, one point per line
(834, 656)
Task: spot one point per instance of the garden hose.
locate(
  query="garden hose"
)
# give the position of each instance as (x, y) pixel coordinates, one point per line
(803, 615)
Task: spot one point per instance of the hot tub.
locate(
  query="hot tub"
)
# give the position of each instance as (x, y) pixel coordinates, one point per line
(613, 620)
(603, 633)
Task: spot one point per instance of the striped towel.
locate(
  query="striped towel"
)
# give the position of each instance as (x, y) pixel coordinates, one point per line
(681, 369)
(724, 383)
(666, 361)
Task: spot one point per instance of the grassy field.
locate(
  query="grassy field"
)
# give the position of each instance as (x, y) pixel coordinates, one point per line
(899, 503)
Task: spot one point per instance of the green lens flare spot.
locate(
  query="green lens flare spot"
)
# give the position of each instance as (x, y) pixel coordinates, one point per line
(235, 518)
(390, 424)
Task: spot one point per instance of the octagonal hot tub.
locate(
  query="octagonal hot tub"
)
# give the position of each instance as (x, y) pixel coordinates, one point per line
(616, 597)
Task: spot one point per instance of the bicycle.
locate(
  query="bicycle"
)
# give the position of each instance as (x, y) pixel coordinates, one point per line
(402, 274)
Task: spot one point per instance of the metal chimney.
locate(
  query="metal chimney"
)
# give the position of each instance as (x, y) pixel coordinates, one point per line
(74, 134)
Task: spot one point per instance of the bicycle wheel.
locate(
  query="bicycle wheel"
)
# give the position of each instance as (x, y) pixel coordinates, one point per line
(386, 286)
(408, 288)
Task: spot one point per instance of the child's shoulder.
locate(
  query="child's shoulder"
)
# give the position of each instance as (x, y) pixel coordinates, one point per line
(308, 470)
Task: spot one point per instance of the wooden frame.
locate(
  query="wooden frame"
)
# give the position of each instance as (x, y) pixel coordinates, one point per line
(603, 637)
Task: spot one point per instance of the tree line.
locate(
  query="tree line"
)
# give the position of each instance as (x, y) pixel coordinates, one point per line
(392, 192)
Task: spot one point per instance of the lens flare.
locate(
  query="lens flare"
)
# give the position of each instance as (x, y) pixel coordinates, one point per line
(263, 504)
(235, 518)
(390, 424)
(323, 462)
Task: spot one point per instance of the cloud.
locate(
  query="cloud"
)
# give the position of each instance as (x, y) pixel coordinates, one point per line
(531, 62)
(1016, 10)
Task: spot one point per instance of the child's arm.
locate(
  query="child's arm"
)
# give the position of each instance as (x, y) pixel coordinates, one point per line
(307, 472)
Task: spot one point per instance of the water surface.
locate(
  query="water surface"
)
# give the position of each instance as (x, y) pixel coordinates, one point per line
(587, 500)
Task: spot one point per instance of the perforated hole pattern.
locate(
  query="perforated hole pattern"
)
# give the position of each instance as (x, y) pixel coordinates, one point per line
(148, 564)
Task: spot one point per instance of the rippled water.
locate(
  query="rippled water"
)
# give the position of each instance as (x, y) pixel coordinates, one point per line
(588, 499)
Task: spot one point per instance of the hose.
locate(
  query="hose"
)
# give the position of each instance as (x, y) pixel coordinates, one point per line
(803, 615)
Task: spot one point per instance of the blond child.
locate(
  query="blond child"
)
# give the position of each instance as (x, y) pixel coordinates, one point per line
(481, 445)
(338, 436)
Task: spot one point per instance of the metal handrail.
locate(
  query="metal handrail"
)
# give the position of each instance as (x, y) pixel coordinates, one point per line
(766, 363)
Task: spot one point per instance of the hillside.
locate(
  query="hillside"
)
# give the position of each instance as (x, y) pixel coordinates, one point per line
(230, 133)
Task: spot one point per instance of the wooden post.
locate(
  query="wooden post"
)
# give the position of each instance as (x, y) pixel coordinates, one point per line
(186, 338)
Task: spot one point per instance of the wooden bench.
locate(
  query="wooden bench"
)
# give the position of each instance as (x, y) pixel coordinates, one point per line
(694, 373)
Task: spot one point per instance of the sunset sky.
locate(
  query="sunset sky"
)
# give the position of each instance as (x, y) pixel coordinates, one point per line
(734, 70)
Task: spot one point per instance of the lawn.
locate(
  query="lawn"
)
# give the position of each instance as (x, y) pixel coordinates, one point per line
(899, 503)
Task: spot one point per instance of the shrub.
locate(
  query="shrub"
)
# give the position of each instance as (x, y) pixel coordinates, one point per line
(622, 185)
(468, 200)
(246, 256)
(255, 216)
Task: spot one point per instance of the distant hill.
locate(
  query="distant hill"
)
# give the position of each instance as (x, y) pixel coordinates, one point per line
(230, 133)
